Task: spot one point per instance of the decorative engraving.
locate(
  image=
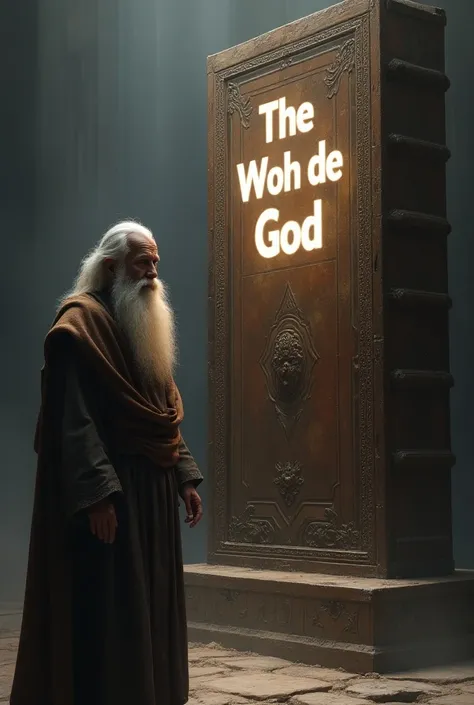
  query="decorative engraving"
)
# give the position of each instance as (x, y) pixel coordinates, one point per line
(289, 481)
(220, 284)
(332, 608)
(230, 595)
(288, 361)
(284, 63)
(246, 529)
(274, 611)
(337, 611)
(344, 62)
(236, 103)
(234, 603)
(352, 624)
(366, 208)
(328, 534)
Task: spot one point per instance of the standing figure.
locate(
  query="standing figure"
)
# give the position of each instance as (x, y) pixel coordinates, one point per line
(104, 618)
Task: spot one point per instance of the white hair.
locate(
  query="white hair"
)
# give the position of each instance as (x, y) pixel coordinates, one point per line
(113, 245)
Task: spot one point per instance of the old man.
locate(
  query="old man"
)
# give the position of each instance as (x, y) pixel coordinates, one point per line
(104, 617)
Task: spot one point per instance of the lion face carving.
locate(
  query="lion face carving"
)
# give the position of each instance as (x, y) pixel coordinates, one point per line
(288, 364)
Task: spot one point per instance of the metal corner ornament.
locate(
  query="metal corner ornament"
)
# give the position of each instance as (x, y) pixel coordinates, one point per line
(344, 62)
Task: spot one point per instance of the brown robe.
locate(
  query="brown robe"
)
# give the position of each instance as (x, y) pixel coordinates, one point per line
(103, 624)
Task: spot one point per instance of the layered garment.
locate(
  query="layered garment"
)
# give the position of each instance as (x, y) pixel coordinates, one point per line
(104, 623)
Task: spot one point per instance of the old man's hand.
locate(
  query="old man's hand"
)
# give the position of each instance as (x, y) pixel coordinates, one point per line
(103, 520)
(193, 504)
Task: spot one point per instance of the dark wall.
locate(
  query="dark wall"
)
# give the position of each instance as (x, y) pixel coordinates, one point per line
(106, 119)
(460, 125)
(18, 32)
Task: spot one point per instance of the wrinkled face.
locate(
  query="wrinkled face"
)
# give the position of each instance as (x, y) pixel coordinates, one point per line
(142, 260)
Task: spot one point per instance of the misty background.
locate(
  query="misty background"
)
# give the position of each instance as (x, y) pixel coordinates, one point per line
(103, 117)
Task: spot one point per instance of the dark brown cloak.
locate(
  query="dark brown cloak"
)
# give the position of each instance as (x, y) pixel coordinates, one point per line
(137, 583)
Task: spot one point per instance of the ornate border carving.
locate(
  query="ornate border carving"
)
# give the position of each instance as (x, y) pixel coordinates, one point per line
(344, 61)
(330, 534)
(248, 529)
(365, 275)
(220, 297)
(337, 612)
(236, 103)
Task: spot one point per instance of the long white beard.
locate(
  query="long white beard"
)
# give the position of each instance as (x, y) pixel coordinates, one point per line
(144, 314)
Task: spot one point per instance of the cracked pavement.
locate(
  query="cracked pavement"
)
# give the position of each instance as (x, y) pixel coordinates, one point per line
(223, 677)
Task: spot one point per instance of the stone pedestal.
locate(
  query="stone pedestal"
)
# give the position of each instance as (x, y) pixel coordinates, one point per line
(363, 625)
(330, 450)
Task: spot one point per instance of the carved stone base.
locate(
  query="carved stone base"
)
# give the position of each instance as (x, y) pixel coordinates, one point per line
(360, 624)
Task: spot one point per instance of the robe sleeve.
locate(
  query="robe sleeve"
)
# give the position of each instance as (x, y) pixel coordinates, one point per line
(186, 468)
(86, 472)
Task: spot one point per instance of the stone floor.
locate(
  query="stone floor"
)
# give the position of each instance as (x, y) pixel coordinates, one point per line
(223, 677)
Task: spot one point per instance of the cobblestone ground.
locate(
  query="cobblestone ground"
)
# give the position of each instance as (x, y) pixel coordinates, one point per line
(223, 677)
